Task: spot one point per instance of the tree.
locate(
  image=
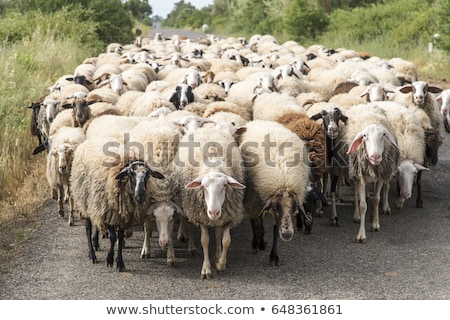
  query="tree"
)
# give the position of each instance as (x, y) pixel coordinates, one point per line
(140, 9)
(305, 20)
(442, 38)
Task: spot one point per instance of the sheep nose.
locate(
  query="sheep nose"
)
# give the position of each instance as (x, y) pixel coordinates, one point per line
(287, 235)
(375, 159)
(62, 169)
(163, 243)
(406, 195)
(214, 214)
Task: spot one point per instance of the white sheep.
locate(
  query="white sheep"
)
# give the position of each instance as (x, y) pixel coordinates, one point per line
(411, 141)
(276, 176)
(444, 100)
(419, 94)
(210, 176)
(271, 106)
(373, 157)
(109, 187)
(62, 145)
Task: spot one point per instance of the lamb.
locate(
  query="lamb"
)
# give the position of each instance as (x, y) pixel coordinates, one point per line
(109, 187)
(411, 141)
(157, 143)
(210, 179)
(444, 99)
(370, 159)
(63, 144)
(277, 176)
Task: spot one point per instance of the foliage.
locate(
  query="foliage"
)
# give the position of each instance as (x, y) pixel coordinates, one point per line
(305, 21)
(49, 46)
(140, 10)
(441, 10)
(113, 23)
(186, 15)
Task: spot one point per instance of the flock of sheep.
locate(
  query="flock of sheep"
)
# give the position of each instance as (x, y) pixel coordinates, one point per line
(209, 132)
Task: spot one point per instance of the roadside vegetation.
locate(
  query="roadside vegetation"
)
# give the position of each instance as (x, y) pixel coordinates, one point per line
(44, 39)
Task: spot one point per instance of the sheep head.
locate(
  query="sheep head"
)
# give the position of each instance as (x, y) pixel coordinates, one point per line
(214, 186)
(137, 174)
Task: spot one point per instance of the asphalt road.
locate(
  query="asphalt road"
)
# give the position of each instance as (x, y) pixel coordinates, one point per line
(408, 259)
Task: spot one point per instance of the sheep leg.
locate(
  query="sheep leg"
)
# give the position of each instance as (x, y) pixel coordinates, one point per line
(376, 205)
(95, 241)
(360, 190)
(400, 201)
(145, 252)
(71, 211)
(61, 201)
(221, 264)
(112, 240)
(258, 242)
(204, 239)
(120, 246)
(334, 217)
(218, 238)
(386, 188)
(192, 249)
(88, 225)
(419, 203)
(356, 211)
(274, 259)
(181, 234)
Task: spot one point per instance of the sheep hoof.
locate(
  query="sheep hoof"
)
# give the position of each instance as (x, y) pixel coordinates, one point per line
(335, 222)
(145, 255)
(388, 211)
(419, 204)
(171, 263)
(206, 276)
(361, 240)
(121, 269)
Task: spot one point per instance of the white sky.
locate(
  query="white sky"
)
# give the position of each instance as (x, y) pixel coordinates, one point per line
(164, 7)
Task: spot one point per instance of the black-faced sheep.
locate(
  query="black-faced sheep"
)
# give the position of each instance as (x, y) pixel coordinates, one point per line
(110, 190)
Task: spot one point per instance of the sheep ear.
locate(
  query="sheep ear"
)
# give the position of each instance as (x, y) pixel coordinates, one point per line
(234, 183)
(391, 139)
(156, 174)
(365, 92)
(317, 116)
(67, 106)
(125, 171)
(196, 183)
(343, 118)
(39, 148)
(420, 167)
(266, 208)
(438, 98)
(407, 89)
(434, 90)
(355, 143)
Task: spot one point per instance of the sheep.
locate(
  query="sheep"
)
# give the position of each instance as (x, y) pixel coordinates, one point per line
(34, 123)
(63, 144)
(225, 106)
(103, 94)
(48, 110)
(210, 182)
(313, 136)
(411, 141)
(125, 101)
(276, 177)
(209, 92)
(156, 142)
(109, 187)
(404, 70)
(148, 102)
(370, 159)
(135, 80)
(444, 99)
(333, 122)
(182, 96)
(421, 97)
(271, 106)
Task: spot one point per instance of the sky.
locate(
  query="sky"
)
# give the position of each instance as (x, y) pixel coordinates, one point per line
(164, 7)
